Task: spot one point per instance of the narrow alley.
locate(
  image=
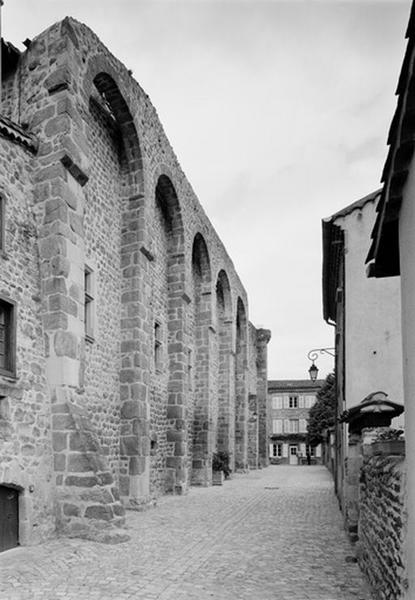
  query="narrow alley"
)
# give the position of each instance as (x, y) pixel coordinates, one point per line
(270, 534)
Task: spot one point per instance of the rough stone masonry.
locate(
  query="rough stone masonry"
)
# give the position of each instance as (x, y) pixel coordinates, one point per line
(127, 355)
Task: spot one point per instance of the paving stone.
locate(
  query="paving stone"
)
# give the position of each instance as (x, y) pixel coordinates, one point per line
(241, 541)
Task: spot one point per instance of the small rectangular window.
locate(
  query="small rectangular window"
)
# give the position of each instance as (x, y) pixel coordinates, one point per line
(7, 338)
(89, 303)
(293, 401)
(190, 368)
(157, 345)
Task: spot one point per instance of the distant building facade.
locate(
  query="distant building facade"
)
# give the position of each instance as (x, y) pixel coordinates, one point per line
(290, 401)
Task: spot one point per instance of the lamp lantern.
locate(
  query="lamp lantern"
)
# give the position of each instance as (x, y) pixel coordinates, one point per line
(313, 372)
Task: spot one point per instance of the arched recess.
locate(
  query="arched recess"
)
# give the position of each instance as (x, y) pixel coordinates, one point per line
(134, 459)
(241, 392)
(168, 420)
(203, 332)
(225, 431)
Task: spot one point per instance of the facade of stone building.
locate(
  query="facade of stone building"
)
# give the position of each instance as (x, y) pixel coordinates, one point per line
(289, 402)
(365, 314)
(126, 353)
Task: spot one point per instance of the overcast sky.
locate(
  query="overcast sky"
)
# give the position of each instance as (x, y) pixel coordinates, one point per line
(278, 113)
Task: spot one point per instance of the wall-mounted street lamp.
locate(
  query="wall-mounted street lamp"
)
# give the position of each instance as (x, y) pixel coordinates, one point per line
(313, 355)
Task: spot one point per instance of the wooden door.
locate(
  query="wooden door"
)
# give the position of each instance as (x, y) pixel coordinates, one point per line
(9, 518)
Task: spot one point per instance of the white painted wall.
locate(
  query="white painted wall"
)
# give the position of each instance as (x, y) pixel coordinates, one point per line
(373, 359)
(407, 263)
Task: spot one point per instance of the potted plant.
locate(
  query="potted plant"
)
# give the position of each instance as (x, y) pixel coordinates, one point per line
(220, 468)
(389, 441)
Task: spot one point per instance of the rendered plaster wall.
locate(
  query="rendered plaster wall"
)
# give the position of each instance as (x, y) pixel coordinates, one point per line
(407, 254)
(373, 342)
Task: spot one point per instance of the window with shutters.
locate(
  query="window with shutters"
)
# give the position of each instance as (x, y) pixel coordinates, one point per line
(293, 426)
(276, 402)
(7, 338)
(276, 425)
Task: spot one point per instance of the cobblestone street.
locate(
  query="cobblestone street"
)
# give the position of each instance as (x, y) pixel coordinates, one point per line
(271, 534)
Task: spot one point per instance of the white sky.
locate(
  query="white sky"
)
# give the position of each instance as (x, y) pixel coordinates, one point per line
(278, 113)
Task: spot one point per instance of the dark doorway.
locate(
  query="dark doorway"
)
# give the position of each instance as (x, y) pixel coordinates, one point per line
(9, 518)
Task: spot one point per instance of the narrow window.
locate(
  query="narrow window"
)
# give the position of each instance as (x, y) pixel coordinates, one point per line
(7, 338)
(190, 368)
(89, 304)
(157, 345)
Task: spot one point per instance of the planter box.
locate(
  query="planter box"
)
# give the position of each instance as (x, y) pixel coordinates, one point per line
(218, 477)
(388, 447)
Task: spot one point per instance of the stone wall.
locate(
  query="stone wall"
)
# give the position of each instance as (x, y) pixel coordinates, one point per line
(26, 460)
(135, 356)
(382, 524)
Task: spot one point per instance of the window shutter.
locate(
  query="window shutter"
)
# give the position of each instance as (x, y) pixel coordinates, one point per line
(271, 447)
(300, 401)
(286, 426)
(302, 449)
(279, 402)
(318, 451)
(303, 425)
(286, 401)
(285, 450)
